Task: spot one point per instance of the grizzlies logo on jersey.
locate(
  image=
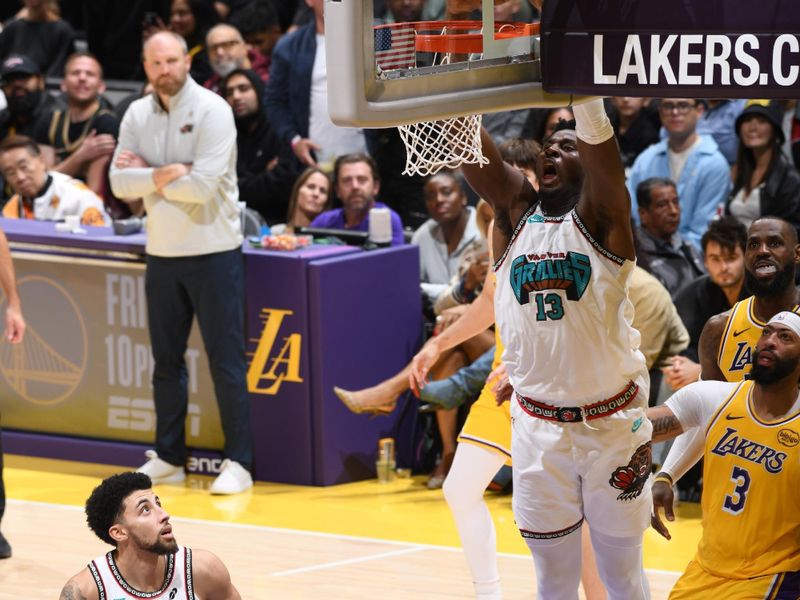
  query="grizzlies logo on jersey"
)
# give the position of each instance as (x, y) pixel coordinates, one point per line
(569, 271)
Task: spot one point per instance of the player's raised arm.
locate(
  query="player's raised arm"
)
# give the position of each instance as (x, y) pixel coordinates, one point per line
(502, 186)
(605, 206)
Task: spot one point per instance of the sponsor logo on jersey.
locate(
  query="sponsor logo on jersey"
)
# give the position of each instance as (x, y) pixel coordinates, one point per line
(787, 437)
(570, 271)
(733, 443)
(742, 358)
(536, 219)
(636, 424)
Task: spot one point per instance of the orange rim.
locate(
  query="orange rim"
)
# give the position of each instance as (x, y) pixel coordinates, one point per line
(460, 37)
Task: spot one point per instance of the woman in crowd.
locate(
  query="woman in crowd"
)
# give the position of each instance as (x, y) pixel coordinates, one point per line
(764, 180)
(311, 195)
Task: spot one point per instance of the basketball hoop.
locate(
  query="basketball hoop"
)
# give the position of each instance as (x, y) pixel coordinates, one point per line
(450, 142)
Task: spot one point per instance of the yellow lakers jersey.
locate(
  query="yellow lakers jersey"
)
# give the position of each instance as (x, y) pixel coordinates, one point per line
(738, 342)
(751, 504)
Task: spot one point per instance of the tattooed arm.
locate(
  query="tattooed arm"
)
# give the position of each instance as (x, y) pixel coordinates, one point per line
(665, 424)
(80, 587)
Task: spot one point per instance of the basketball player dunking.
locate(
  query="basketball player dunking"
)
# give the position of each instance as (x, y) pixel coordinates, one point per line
(580, 442)
(729, 339)
(751, 473)
(147, 562)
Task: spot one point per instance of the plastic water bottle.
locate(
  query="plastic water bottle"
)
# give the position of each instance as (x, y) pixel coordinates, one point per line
(380, 226)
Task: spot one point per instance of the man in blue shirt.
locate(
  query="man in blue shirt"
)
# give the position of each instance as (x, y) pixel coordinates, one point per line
(691, 160)
(357, 183)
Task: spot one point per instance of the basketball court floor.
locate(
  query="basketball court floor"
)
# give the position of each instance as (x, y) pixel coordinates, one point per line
(360, 540)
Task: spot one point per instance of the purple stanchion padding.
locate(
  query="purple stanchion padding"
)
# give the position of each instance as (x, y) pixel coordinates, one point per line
(366, 324)
(279, 346)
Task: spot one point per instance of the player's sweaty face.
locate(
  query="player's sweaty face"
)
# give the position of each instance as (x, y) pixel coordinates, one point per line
(558, 163)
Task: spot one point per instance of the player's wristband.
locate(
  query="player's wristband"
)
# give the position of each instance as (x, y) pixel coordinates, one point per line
(591, 122)
(295, 140)
(665, 478)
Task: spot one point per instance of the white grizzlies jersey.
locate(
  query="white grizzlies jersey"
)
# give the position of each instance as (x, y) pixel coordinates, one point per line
(562, 307)
(178, 584)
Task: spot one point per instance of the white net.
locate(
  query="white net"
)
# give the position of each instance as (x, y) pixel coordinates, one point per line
(446, 144)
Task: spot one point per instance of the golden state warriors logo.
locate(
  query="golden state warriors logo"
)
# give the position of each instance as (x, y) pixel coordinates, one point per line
(49, 364)
(271, 366)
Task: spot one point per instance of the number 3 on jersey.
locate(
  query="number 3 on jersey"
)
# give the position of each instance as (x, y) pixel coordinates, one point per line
(734, 503)
(549, 306)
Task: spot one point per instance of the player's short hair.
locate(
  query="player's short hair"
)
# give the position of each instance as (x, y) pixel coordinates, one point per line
(13, 142)
(520, 152)
(562, 125)
(82, 54)
(790, 230)
(726, 231)
(349, 159)
(106, 502)
(645, 188)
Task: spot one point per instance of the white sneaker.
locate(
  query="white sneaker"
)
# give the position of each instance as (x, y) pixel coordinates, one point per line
(160, 471)
(233, 479)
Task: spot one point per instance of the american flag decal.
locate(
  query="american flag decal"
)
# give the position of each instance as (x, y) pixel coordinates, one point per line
(395, 47)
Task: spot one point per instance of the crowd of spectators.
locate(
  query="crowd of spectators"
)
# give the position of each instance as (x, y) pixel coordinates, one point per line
(699, 170)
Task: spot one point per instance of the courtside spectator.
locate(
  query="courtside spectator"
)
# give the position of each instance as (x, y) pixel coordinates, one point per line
(311, 196)
(41, 35)
(227, 51)
(765, 182)
(41, 194)
(80, 138)
(672, 260)
(23, 86)
(356, 183)
(693, 161)
(445, 236)
(709, 295)
(297, 97)
(264, 181)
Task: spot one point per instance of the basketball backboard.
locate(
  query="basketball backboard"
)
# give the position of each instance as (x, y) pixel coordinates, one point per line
(382, 74)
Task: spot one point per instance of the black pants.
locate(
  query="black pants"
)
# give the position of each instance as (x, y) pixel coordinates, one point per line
(210, 286)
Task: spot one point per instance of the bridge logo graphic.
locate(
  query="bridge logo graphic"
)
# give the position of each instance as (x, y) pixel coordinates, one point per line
(49, 364)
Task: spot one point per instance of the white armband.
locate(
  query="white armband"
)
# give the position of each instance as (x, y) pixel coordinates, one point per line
(591, 122)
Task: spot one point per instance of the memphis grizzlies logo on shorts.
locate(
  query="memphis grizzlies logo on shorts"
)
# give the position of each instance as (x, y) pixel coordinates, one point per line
(568, 271)
(632, 477)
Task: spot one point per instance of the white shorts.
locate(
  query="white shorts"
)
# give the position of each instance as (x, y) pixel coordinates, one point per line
(565, 471)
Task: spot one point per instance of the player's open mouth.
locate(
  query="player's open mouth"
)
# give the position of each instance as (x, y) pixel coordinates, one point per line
(549, 173)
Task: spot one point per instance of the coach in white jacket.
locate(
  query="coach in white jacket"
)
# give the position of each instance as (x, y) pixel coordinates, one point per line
(177, 150)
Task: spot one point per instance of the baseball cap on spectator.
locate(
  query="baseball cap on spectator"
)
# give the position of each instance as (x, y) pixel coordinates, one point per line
(766, 109)
(18, 64)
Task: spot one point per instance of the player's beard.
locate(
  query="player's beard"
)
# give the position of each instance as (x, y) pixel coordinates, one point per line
(782, 280)
(779, 369)
(159, 547)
